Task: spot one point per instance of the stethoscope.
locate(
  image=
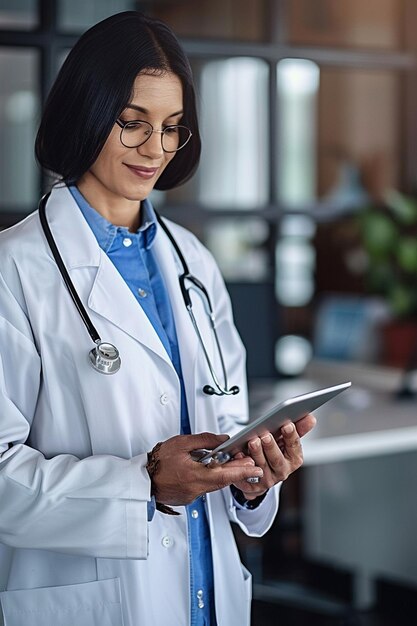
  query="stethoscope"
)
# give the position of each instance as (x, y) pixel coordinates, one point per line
(105, 357)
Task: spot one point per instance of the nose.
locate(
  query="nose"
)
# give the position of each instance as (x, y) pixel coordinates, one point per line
(153, 147)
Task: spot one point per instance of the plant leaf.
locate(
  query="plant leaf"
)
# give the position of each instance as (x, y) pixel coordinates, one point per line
(407, 255)
(402, 206)
(380, 234)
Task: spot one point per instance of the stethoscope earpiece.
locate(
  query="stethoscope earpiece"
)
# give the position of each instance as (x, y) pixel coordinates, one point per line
(105, 358)
(210, 391)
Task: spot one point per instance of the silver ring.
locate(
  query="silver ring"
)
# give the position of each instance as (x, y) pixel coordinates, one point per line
(253, 479)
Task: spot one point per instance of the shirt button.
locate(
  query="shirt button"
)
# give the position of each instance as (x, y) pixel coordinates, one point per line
(127, 242)
(194, 513)
(167, 542)
(164, 398)
(142, 292)
(200, 599)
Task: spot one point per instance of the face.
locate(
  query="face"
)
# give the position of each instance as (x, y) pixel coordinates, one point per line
(120, 177)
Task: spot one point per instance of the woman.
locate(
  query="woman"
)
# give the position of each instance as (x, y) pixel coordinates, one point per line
(91, 445)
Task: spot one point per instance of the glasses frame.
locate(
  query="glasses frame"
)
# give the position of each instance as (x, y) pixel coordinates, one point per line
(123, 125)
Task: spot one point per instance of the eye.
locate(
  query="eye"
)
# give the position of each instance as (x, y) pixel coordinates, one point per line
(135, 125)
(171, 130)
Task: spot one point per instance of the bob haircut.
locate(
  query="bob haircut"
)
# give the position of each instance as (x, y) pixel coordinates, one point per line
(94, 86)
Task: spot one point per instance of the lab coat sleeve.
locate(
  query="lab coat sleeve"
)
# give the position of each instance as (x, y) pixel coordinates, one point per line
(254, 522)
(96, 506)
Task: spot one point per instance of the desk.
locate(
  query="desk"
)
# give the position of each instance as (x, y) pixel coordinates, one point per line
(360, 473)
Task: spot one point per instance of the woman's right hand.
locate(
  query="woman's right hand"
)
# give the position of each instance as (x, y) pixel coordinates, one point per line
(178, 480)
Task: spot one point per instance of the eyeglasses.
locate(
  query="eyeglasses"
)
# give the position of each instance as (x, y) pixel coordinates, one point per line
(136, 133)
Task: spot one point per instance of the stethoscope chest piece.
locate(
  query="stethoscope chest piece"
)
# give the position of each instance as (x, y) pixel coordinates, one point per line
(105, 358)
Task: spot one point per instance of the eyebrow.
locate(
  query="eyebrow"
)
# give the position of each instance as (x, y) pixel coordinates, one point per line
(146, 111)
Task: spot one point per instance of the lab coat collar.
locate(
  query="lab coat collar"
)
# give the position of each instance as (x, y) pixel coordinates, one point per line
(105, 232)
(68, 225)
(79, 249)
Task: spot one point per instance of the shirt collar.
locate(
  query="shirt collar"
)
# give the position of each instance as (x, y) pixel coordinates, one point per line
(105, 231)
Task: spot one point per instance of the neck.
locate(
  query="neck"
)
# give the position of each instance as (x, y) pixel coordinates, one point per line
(115, 209)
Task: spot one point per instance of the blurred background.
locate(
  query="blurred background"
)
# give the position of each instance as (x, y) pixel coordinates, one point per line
(307, 197)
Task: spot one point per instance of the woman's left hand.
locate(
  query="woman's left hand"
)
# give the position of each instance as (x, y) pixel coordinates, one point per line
(278, 457)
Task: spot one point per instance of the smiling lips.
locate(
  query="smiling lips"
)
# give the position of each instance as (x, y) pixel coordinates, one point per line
(142, 172)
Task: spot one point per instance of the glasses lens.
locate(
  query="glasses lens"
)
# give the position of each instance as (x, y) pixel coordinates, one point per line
(135, 133)
(175, 137)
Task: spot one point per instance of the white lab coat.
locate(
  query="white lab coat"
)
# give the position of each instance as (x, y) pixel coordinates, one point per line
(76, 547)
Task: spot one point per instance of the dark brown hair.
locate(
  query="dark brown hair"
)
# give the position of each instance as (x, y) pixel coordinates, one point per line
(95, 85)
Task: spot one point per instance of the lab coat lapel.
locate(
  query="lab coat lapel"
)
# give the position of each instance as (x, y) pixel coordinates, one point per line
(112, 299)
(171, 268)
(109, 296)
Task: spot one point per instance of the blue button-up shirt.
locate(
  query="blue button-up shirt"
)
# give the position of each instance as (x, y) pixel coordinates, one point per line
(133, 256)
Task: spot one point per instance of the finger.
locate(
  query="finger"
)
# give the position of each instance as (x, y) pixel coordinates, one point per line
(227, 474)
(256, 452)
(251, 490)
(243, 461)
(291, 440)
(272, 450)
(203, 440)
(265, 451)
(306, 424)
(280, 443)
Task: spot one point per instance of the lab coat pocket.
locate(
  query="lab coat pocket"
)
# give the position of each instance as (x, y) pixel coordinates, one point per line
(87, 604)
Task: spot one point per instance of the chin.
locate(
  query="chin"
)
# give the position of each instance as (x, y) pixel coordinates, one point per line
(137, 195)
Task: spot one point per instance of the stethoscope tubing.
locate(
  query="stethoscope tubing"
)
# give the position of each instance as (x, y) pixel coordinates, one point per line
(92, 331)
(99, 357)
(222, 390)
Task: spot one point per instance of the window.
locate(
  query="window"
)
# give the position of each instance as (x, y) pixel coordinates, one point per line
(18, 14)
(307, 111)
(78, 15)
(19, 114)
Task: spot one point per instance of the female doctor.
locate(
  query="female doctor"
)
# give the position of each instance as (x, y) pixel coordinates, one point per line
(106, 370)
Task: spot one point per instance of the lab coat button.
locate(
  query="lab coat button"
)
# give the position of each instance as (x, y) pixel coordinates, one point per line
(164, 398)
(127, 242)
(194, 513)
(167, 542)
(142, 292)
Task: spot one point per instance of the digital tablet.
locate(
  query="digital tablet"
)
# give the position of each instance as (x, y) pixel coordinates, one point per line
(292, 410)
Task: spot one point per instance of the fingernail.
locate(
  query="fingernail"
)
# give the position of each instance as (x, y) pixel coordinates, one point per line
(288, 428)
(266, 438)
(254, 444)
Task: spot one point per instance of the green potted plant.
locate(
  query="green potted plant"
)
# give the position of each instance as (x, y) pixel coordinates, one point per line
(389, 238)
